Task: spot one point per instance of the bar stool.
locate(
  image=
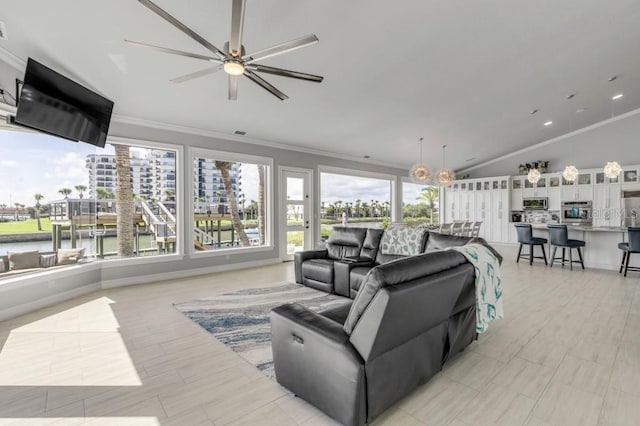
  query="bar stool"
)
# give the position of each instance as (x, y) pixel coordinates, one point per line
(445, 228)
(475, 232)
(633, 246)
(525, 237)
(467, 228)
(560, 238)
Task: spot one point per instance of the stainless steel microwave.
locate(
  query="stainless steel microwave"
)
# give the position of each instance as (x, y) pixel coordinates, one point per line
(534, 203)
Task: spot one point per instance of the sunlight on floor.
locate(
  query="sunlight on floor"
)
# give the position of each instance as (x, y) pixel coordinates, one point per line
(79, 346)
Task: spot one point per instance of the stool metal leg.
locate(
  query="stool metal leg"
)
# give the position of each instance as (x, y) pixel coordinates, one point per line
(580, 256)
(570, 260)
(520, 251)
(624, 255)
(562, 256)
(626, 264)
(553, 255)
(530, 254)
(544, 255)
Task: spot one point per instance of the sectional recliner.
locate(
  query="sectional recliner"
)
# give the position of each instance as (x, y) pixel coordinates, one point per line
(351, 252)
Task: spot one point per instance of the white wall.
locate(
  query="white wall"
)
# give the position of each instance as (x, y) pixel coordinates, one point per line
(616, 139)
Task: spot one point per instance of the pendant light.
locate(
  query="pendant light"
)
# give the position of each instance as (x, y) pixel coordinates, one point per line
(533, 176)
(570, 173)
(612, 169)
(445, 176)
(420, 173)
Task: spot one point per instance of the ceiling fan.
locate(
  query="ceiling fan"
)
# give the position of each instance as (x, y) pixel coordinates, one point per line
(233, 59)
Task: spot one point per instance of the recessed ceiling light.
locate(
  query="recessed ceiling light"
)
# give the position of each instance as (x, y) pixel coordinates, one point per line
(618, 96)
(470, 159)
(571, 96)
(548, 123)
(613, 78)
(581, 110)
(366, 156)
(239, 132)
(533, 111)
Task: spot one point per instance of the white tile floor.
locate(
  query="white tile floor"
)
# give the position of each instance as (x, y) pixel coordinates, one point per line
(568, 353)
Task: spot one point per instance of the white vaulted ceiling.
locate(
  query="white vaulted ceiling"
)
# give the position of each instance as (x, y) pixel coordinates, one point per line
(461, 73)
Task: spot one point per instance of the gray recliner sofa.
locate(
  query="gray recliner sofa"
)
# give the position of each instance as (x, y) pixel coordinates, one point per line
(351, 253)
(409, 316)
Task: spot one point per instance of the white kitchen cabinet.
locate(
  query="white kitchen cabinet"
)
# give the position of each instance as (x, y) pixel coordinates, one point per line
(553, 193)
(607, 201)
(580, 190)
(516, 193)
(534, 190)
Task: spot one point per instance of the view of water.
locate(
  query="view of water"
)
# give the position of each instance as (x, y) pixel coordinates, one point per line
(110, 245)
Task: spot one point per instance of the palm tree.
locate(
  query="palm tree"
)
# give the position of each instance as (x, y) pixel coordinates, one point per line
(81, 189)
(38, 197)
(101, 193)
(124, 201)
(261, 227)
(429, 194)
(225, 168)
(65, 192)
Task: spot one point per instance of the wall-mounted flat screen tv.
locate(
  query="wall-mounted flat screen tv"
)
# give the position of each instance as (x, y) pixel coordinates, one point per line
(54, 104)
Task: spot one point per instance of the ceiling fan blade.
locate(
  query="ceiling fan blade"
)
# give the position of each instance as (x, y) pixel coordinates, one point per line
(286, 73)
(264, 84)
(281, 48)
(182, 27)
(196, 74)
(172, 51)
(237, 22)
(233, 87)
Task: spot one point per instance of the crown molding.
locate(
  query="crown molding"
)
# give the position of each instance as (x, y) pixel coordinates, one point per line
(12, 60)
(122, 119)
(554, 140)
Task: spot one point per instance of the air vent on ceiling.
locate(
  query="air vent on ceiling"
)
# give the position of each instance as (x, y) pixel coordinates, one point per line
(239, 132)
(3, 31)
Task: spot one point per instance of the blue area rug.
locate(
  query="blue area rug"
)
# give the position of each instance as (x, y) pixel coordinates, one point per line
(240, 320)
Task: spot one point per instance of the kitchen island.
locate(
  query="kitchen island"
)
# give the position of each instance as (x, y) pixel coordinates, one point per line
(601, 249)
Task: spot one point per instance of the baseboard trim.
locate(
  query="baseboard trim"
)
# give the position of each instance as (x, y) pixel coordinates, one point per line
(122, 282)
(34, 305)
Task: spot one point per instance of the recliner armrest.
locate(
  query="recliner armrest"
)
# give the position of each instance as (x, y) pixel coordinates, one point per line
(342, 273)
(314, 358)
(301, 256)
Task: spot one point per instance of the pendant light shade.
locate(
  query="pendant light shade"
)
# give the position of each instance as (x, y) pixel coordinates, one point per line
(612, 169)
(445, 176)
(570, 173)
(533, 176)
(420, 173)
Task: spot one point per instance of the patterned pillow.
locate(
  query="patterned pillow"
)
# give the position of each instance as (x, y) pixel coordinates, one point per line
(401, 240)
(48, 260)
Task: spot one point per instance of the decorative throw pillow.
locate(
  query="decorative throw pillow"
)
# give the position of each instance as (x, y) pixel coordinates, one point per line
(401, 240)
(48, 260)
(24, 260)
(70, 256)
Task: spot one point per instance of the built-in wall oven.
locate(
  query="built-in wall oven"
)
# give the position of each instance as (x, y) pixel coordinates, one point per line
(577, 212)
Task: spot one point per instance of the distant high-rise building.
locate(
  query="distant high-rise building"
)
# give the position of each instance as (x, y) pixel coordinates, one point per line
(153, 175)
(208, 187)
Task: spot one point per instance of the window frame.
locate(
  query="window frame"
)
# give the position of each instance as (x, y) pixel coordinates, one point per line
(198, 152)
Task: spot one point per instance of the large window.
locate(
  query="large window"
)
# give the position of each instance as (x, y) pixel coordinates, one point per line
(64, 203)
(231, 198)
(356, 200)
(420, 203)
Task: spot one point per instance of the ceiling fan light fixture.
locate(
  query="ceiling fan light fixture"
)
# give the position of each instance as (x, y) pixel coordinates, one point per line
(233, 67)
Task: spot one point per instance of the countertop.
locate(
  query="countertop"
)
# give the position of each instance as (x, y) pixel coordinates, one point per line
(584, 228)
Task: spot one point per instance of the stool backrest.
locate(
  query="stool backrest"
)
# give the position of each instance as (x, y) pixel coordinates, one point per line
(558, 235)
(476, 229)
(634, 239)
(525, 234)
(445, 228)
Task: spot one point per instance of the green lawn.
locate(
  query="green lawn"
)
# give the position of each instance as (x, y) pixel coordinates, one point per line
(24, 226)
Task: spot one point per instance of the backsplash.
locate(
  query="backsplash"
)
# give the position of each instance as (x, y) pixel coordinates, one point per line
(541, 216)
